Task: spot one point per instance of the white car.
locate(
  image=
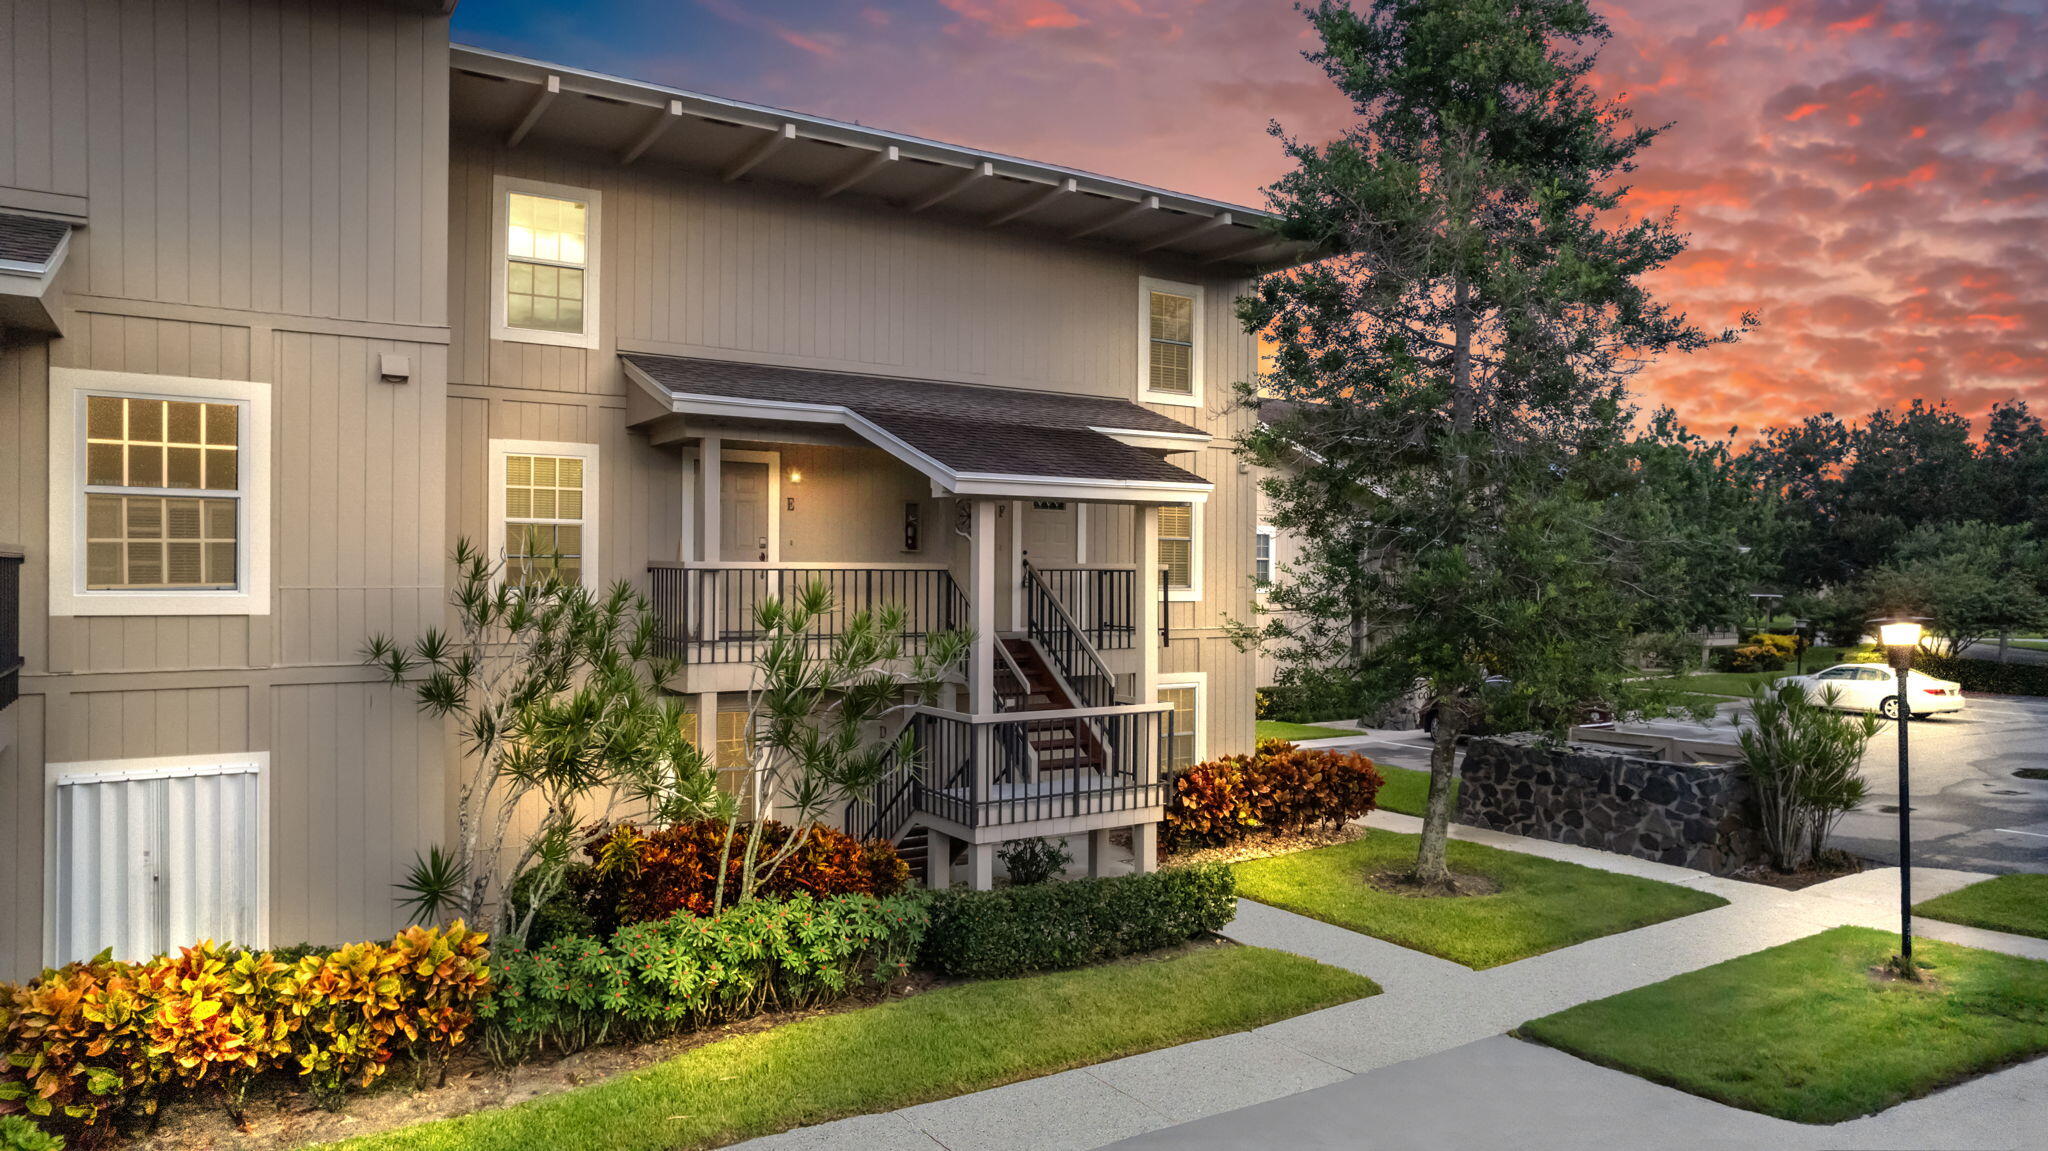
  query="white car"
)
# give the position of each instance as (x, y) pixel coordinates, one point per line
(1875, 687)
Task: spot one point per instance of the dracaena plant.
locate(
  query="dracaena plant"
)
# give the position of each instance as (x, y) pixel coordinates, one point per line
(556, 691)
(815, 708)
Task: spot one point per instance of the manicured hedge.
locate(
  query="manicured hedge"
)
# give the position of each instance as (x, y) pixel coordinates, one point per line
(663, 976)
(1050, 926)
(83, 1044)
(1278, 788)
(1985, 674)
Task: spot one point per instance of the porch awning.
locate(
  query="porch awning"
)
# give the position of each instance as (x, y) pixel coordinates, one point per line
(970, 439)
(32, 250)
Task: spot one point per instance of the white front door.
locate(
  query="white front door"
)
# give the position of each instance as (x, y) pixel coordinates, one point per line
(746, 524)
(1049, 538)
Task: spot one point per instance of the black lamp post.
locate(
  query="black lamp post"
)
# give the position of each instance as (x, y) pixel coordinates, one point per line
(1901, 637)
(1799, 627)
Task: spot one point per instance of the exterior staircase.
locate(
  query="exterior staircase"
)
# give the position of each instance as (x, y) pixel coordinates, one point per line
(1028, 683)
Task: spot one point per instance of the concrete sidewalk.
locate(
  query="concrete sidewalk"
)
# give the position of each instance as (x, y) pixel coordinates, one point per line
(1426, 1063)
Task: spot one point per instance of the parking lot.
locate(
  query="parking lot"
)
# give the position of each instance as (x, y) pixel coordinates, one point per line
(1970, 811)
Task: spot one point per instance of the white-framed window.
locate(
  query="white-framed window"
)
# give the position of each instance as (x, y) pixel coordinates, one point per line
(1180, 550)
(1262, 555)
(1169, 342)
(544, 263)
(159, 495)
(147, 855)
(1187, 744)
(544, 504)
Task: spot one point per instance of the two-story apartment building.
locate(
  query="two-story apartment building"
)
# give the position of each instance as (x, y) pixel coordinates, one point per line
(295, 293)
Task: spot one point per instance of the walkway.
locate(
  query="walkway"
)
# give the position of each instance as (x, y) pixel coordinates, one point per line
(1426, 1064)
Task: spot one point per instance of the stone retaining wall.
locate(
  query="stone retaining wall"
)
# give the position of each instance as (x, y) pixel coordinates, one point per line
(1692, 815)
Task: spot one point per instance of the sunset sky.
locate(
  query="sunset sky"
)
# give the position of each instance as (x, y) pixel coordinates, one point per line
(1871, 176)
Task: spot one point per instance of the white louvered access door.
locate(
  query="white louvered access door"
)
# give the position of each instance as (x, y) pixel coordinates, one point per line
(151, 860)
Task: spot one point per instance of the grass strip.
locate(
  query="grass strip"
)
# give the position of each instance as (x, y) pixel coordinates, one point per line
(2015, 903)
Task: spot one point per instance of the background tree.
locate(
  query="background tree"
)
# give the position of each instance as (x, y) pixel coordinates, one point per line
(1971, 580)
(1466, 347)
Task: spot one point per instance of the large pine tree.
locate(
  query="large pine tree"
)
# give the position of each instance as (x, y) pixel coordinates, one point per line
(1459, 363)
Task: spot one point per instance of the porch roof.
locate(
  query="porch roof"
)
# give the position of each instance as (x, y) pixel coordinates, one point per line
(32, 250)
(970, 439)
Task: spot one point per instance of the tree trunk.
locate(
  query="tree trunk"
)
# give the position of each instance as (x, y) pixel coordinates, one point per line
(1430, 865)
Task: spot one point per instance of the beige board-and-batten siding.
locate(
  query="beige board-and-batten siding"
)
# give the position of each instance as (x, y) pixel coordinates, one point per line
(264, 187)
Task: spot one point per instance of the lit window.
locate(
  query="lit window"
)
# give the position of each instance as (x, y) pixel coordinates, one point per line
(546, 249)
(544, 510)
(1173, 344)
(163, 493)
(1177, 544)
(734, 757)
(1169, 338)
(1181, 730)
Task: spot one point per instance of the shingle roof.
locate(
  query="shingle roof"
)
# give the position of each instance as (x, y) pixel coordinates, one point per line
(968, 428)
(30, 239)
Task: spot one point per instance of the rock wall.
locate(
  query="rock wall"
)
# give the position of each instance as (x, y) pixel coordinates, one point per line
(1692, 815)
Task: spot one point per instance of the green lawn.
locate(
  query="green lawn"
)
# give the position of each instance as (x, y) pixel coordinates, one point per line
(1275, 729)
(1802, 1031)
(1739, 683)
(2015, 903)
(931, 1046)
(1407, 790)
(1542, 904)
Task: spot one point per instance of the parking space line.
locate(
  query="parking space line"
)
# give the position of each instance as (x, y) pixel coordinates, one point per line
(2017, 831)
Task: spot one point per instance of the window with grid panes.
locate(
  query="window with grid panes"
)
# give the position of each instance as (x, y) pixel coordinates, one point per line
(1262, 557)
(1180, 725)
(734, 756)
(543, 517)
(163, 493)
(1173, 344)
(1177, 544)
(546, 258)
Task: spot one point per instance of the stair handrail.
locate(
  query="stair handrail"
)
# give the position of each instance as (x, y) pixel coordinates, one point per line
(1040, 589)
(1010, 661)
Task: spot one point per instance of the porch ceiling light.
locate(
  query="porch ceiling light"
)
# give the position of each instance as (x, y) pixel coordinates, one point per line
(796, 476)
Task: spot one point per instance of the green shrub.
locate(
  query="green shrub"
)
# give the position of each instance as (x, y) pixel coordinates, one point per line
(1986, 674)
(18, 1134)
(1035, 860)
(1278, 788)
(662, 976)
(1329, 696)
(1749, 657)
(1047, 927)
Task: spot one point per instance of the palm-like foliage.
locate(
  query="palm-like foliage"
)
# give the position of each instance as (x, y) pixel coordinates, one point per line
(817, 709)
(1803, 759)
(556, 691)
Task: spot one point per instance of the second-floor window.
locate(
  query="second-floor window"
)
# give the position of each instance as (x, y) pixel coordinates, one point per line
(1170, 326)
(1262, 556)
(546, 274)
(1180, 549)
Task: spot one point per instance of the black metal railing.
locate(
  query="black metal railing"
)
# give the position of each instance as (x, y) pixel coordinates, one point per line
(10, 626)
(1165, 608)
(1065, 644)
(995, 772)
(884, 811)
(1101, 600)
(709, 614)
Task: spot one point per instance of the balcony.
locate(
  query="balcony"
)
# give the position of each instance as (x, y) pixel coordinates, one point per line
(988, 779)
(707, 611)
(10, 626)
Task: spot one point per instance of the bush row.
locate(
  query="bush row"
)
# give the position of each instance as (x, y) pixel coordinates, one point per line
(1330, 697)
(666, 975)
(1051, 926)
(1986, 674)
(637, 876)
(88, 1042)
(1278, 788)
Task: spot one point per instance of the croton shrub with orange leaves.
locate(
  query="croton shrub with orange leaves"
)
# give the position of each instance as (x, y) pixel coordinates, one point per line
(1279, 788)
(84, 1044)
(637, 876)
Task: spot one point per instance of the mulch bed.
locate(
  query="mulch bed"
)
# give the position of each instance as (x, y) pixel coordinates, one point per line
(1833, 865)
(1262, 845)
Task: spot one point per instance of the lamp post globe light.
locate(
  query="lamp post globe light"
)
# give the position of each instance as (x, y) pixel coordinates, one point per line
(1900, 636)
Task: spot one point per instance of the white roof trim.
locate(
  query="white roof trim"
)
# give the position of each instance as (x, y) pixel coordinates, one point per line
(944, 478)
(44, 270)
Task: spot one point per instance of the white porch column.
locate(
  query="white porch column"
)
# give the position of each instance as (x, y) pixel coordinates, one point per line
(708, 499)
(1098, 852)
(1146, 548)
(1016, 572)
(1145, 846)
(981, 606)
(981, 866)
(708, 507)
(938, 860)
